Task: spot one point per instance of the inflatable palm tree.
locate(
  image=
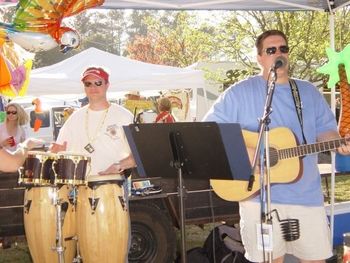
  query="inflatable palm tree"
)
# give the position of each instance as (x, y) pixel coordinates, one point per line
(338, 69)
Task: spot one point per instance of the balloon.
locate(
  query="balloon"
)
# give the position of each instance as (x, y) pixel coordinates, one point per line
(2, 116)
(37, 24)
(14, 70)
(32, 41)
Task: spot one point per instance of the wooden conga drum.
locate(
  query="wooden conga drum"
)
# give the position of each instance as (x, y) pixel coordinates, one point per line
(40, 223)
(102, 220)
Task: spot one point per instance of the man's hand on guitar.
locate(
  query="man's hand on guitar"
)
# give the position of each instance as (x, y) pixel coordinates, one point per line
(345, 148)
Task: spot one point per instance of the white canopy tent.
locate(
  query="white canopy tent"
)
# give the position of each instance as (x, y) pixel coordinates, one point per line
(125, 74)
(273, 5)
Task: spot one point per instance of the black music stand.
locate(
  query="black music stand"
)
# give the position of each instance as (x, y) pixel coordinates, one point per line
(203, 150)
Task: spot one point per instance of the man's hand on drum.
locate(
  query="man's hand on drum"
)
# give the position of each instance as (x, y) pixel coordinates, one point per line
(55, 147)
(113, 169)
(118, 168)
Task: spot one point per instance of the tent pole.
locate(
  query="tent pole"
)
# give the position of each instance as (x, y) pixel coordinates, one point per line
(332, 45)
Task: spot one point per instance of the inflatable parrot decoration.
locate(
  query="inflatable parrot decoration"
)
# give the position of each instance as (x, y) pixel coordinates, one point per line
(36, 27)
(37, 24)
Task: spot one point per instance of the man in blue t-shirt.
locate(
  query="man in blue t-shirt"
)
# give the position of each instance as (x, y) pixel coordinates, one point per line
(300, 199)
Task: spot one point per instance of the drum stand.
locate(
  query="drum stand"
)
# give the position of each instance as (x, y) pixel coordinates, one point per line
(78, 258)
(178, 164)
(59, 222)
(262, 149)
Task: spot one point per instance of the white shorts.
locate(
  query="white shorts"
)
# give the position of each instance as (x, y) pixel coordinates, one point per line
(314, 242)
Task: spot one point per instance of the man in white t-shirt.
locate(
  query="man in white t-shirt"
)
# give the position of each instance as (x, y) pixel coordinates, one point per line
(96, 130)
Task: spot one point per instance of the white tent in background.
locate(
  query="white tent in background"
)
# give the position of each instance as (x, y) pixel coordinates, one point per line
(126, 74)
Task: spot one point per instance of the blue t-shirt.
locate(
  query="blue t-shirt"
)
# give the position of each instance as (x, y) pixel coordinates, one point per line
(244, 103)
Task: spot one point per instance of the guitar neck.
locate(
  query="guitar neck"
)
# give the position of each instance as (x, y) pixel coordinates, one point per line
(307, 149)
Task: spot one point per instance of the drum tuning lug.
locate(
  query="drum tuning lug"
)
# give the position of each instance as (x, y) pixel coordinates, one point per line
(64, 206)
(122, 202)
(70, 238)
(93, 203)
(77, 259)
(27, 206)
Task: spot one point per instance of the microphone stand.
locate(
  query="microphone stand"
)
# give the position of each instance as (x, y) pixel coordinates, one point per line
(263, 146)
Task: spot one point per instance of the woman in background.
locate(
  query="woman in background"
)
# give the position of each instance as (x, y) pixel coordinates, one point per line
(11, 130)
(164, 107)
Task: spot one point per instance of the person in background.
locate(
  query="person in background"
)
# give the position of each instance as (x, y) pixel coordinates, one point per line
(11, 130)
(301, 199)
(164, 108)
(67, 112)
(133, 95)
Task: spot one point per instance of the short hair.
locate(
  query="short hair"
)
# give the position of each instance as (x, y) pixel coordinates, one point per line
(164, 104)
(22, 116)
(266, 34)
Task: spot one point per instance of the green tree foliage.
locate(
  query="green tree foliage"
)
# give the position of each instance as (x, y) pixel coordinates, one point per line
(177, 36)
(137, 25)
(6, 14)
(183, 38)
(308, 33)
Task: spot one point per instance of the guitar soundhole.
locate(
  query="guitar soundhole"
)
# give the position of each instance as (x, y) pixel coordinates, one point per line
(273, 156)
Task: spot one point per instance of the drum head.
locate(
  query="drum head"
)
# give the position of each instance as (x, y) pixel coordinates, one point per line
(73, 155)
(105, 179)
(41, 155)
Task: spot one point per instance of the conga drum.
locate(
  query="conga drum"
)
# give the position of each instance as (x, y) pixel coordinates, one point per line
(37, 169)
(40, 223)
(103, 220)
(72, 168)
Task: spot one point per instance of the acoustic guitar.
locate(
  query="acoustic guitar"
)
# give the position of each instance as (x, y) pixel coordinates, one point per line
(285, 162)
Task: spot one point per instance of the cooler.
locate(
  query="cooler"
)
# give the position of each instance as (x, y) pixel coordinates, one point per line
(341, 221)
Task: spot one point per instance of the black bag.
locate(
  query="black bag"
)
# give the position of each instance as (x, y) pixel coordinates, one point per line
(197, 255)
(224, 245)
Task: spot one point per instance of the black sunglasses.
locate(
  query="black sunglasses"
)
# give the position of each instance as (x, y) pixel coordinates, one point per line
(273, 50)
(11, 112)
(88, 84)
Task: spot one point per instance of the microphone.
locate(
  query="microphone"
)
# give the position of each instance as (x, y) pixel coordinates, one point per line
(135, 116)
(280, 62)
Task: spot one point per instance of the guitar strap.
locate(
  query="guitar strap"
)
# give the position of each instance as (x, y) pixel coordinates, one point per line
(297, 103)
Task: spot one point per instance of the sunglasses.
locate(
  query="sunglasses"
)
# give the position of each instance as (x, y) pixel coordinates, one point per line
(88, 84)
(11, 112)
(273, 50)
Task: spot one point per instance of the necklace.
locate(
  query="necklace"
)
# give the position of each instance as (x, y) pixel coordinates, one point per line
(89, 148)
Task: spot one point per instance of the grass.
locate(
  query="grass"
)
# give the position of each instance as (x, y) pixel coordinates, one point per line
(18, 253)
(195, 235)
(342, 189)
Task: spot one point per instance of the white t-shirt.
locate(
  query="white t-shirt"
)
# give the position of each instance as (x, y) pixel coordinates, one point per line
(102, 130)
(19, 137)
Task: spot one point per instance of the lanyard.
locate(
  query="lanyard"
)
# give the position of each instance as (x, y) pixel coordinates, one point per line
(297, 103)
